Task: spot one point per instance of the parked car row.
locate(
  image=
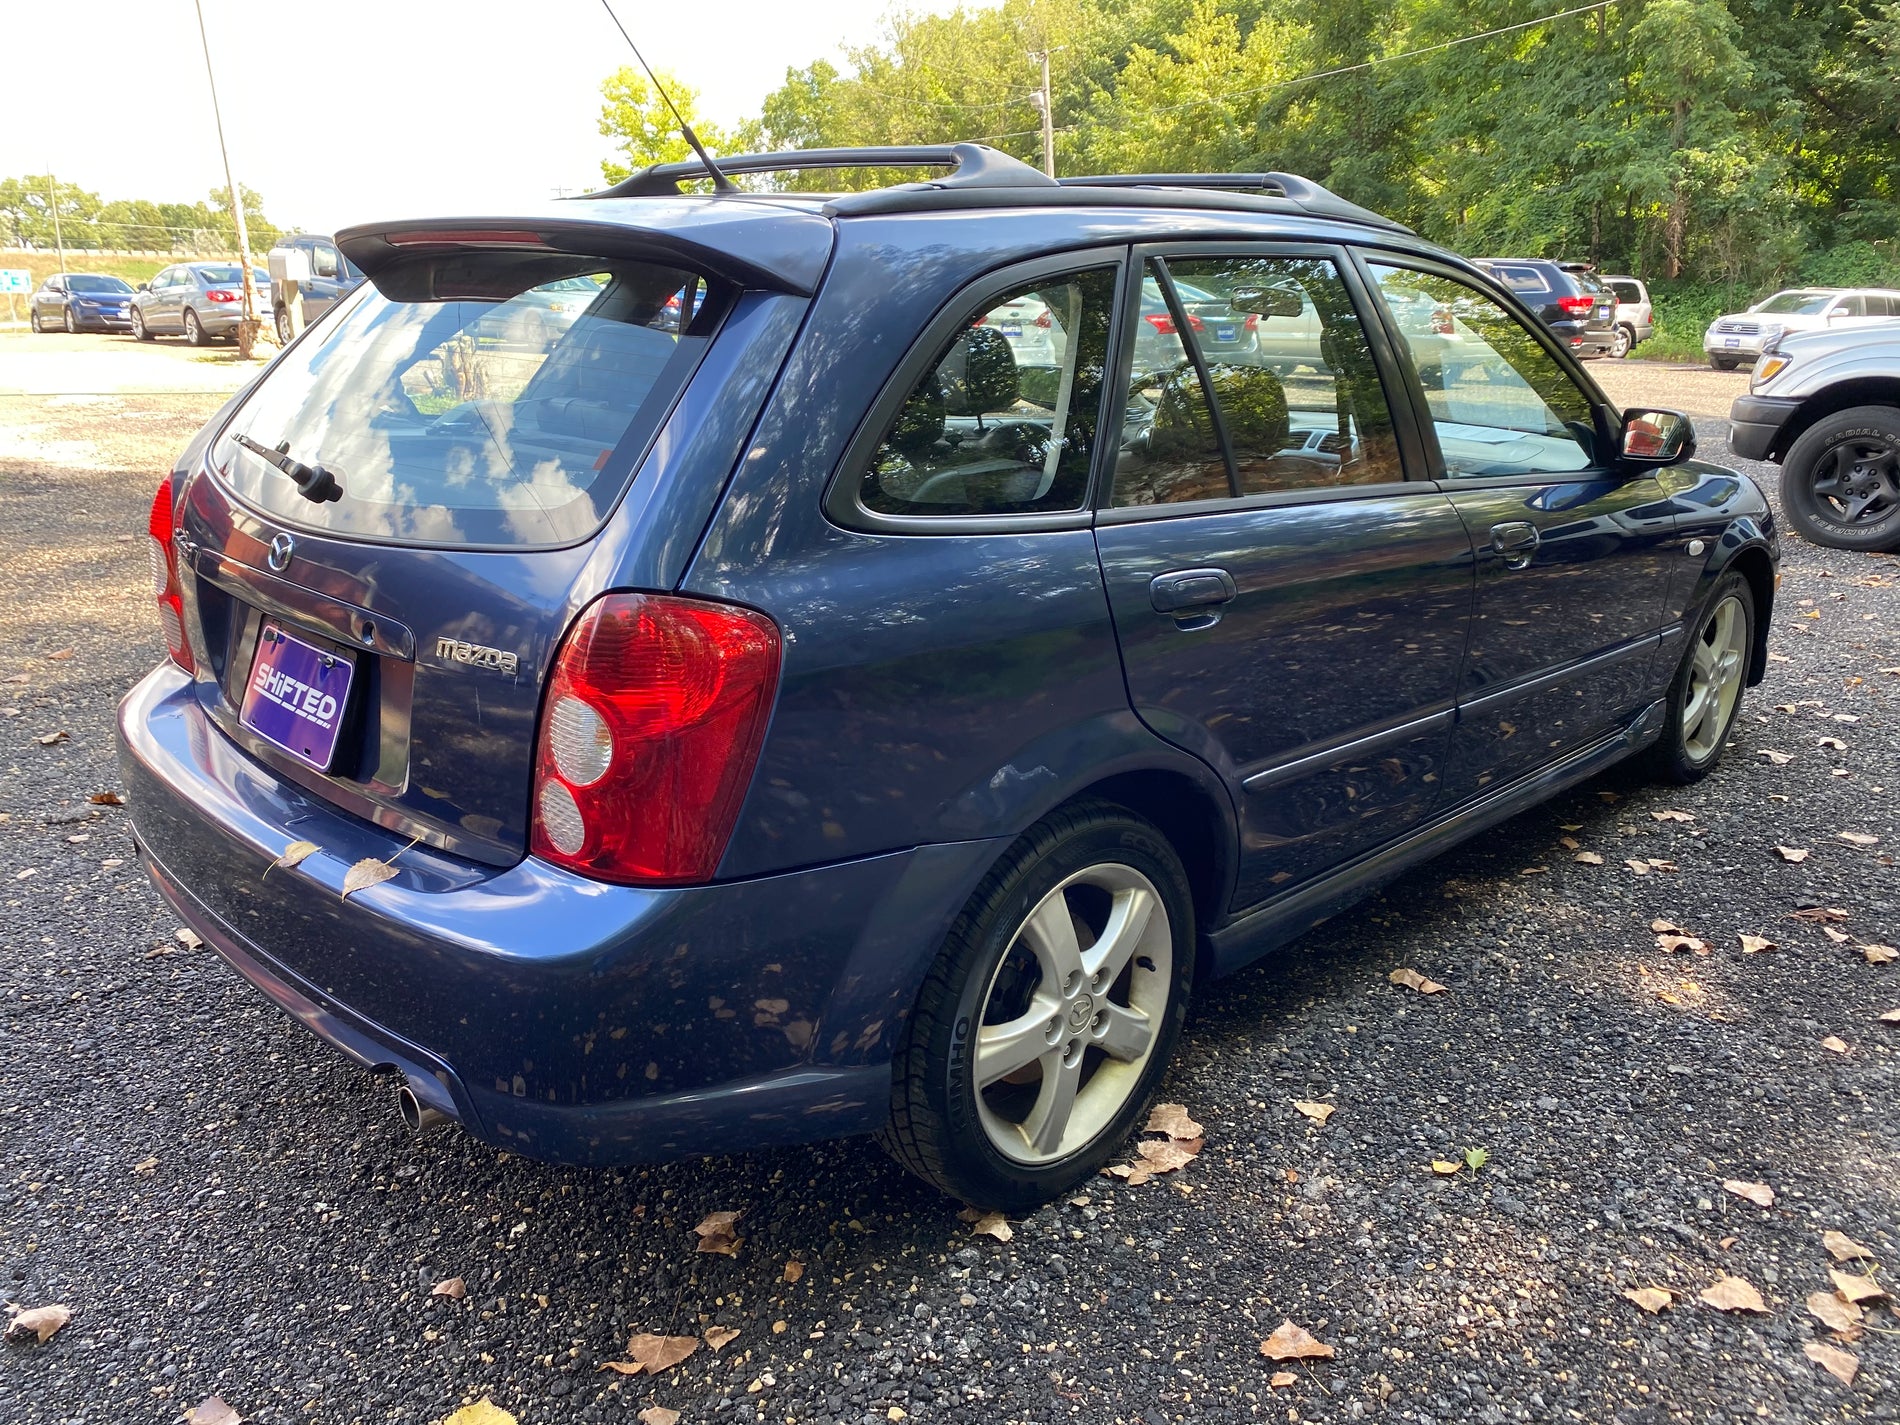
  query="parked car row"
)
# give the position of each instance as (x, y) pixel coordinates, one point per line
(1738, 338)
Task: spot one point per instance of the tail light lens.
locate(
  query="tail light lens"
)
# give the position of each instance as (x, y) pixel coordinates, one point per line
(1044, 320)
(1252, 323)
(1578, 306)
(171, 605)
(1164, 323)
(650, 729)
(219, 295)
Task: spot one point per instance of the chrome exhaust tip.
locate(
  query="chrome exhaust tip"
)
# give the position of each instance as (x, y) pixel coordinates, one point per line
(417, 1116)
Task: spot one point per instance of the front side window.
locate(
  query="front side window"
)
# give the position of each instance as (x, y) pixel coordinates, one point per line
(491, 417)
(1849, 307)
(1284, 395)
(1003, 419)
(1500, 403)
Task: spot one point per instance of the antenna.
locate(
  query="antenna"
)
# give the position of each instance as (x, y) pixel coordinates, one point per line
(721, 183)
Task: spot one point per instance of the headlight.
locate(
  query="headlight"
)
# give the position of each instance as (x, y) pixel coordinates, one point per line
(1770, 365)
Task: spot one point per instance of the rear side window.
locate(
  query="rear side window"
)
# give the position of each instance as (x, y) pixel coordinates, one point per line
(1521, 279)
(508, 414)
(1003, 420)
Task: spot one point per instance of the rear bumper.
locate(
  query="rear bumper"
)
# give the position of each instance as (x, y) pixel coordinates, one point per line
(1583, 338)
(553, 1016)
(1755, 421)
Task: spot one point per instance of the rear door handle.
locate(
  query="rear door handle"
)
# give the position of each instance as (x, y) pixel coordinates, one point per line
(1191, 589)
(1516, 541)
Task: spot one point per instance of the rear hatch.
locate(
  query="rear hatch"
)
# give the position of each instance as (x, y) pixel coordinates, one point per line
(383, 546)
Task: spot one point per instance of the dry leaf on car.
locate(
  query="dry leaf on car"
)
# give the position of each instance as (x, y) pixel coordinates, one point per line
(1290, 1343)
(1842, 1365)
(1673, 815)
(297, 851)
(1843, 1248)
(1858, 838)
(1733, 1294)
(454, 1289)
(1318, 1112)
(212, 1411)
(40, 1322)
(715, 1234)
(719, 1337)
(366, 873)
(1758, 1193)
(1778, 758)
(992, 1224)
(1879, 954)
(1835, 1043)
(660, 1353)
(1835, 1311)
(1755, 944)
(1651, 1298)
(1588, 858)
(482, 1412)
(1857, 1288)
(1173, 1120)
(1411, 979)
(1794, 855)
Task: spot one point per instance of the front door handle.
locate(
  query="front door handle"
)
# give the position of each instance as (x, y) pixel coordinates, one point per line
(1187, 593)
(1516, 541)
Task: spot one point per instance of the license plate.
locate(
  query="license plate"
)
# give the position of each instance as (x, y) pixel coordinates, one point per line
(297, 696)
(1224, 333)
(1012, 331)
(1731, 341)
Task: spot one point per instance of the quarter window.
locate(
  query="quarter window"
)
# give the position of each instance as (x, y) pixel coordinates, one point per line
(1250, 376)
(1500, 403)
(1003, 420)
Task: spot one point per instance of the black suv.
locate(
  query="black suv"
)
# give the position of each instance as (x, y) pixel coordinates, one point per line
(1567, 297)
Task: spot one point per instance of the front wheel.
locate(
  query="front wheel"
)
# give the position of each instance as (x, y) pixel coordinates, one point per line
(1049, 1015)
(1722, 363)
(72, 322)
(33, 321)
(139, 329)
(1840, 485)
(1707, 690)
(1621, 342)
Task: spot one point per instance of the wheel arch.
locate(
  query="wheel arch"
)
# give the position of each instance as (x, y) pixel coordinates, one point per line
(1830, 400)
(1754, 564)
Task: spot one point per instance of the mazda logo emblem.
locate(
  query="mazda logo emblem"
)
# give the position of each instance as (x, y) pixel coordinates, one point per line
(281, 548)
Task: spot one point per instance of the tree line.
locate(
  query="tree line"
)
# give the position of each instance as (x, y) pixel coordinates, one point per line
(1731, 142)
(88, 223)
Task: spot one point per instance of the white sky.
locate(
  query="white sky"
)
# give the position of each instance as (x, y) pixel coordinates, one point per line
(342, 111)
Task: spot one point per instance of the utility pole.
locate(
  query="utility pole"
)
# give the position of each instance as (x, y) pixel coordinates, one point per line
(248, 325)
(1048, 121)
(59, 242)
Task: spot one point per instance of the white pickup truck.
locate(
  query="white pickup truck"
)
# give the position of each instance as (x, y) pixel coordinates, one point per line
(1826, 405)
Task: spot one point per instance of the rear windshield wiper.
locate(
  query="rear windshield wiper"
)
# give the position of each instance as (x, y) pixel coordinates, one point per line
(314, 483)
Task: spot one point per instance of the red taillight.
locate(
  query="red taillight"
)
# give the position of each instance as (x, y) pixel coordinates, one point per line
(1164, 323)
(1578, 306)
(1252, 323)
(1042, 319)
(650, 728)
(171, 606)
(218, 295)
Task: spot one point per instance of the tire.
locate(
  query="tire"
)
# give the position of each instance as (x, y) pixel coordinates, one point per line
(1706, 694)
(72, 322)
(139, 329)
(1083, 872)
(33, 321)
(282, 319)
(194, 333)
(1722, 363)
(1621, 343)
(1840, 482)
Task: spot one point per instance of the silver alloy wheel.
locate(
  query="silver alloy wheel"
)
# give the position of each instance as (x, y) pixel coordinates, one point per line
(1715, 678)
(1071, 1014)
(138, 324)
(193, 332)
(1620, 344)
(72, 322)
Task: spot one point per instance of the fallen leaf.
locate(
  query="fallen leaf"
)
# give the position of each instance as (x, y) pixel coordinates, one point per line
(715, 1234)
(1411, 979)
(1842, 1365)
(1289, 1343)
(658, 1415)
(1858, 838)
(1836, 1043)
(1879, 954)
(1588, 858)
(1839, 937)
(621, 1368)
(1128, 1173)
(1819, 913)
(992, 1224)
(1792, 854)
(1445, 1167)
(1758, 1193)
(1641, 868)
(1666, 927)
(366, 873)
(1855, 1289)
(1755, 944)
(1651, 1298)
(1672, 816)
(1733, 1294)
(1833, 744)
(296, 852)
(453, 1289)
(482, 1412)
(49, 739)
(1318, 1112)
(145, 1167)
(1476, 1158)
(1891, 1016)
(1172, 1119)
(1835, 1311)
(719, 1337)
(794, 1270)
(1166, 1155)
(1780, 759)
(60, 657)
(1281, 1379)
(40, 1322)
(660, 1353)
(106, 799)
(1570, 843)
(1843, 1248)
(1669, 944)
(212, 1411)
(190, 939)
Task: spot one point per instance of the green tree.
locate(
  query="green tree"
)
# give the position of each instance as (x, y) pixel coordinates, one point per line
(643, 128)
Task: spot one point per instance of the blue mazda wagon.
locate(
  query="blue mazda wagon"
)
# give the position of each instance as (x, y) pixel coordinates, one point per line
(861, 672)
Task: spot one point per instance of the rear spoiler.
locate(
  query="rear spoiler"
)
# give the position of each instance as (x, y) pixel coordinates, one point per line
(774, 247)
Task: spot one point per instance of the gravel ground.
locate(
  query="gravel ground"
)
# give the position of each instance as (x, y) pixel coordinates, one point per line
(227, 1207)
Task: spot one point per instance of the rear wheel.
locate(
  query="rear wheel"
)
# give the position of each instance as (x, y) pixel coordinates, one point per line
(194, 333)
(1621, 342)
(283, 326)
(1050, 1013)
(1840, 485)
(1707, 691)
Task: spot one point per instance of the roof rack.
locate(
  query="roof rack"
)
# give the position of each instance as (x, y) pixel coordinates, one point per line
(1322, 202)
(971, 165)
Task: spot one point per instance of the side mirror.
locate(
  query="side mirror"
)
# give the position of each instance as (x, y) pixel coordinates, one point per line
(1265, 301)
(145, 286)
(1652, 438)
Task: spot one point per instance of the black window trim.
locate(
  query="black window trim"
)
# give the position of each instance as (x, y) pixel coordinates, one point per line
(843, 503)
(1607, 418)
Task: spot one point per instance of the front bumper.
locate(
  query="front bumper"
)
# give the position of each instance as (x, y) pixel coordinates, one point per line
(1755, 422)
(554, 1016)
(1746, 348)
(115, 321)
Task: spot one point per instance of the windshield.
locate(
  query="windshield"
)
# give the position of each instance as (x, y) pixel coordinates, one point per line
(1796, 304)
(97, 284)
(508, 418)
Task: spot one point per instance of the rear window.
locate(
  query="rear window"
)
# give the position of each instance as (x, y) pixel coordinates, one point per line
(509, 414)
(1627, 292)
(1521, 279)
